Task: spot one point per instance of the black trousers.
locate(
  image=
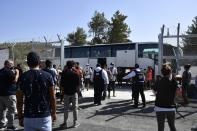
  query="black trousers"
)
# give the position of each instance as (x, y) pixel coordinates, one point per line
(138, 89)
(104, 92)
(162, 115)
(97, 95)
(185, 86)
(112, 87)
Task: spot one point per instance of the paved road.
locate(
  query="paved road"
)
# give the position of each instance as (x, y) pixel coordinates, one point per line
(117, 114)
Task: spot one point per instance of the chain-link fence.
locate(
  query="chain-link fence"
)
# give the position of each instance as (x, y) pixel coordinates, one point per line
(19, 50)
(184, 52)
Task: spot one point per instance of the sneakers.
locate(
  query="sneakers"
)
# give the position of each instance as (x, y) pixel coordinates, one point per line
(12, 128)
(2, 128)
(76, 124)
(135, 106)
(63, 125)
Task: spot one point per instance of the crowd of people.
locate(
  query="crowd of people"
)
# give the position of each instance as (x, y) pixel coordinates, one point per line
(33, 93)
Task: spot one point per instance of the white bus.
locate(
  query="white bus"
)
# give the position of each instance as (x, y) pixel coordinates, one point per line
(123, 55)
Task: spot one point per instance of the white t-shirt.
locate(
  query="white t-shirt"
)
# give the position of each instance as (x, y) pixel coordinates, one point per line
(158, 109)
(114, 73)
(87, 72)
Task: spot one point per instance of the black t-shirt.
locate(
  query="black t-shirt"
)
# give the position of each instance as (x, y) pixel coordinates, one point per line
(35, 85)
(166, 89)
(7, 84)
(186, 77)
(70, 81)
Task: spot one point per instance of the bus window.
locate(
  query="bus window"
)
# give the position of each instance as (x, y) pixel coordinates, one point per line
(66, 53)
(145, 47)
(115, 48)
(80, 52)
(100, 51)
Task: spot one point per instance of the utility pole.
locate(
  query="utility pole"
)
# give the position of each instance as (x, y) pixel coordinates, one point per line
(32, 45)
(13, 51)
(136, 53)
(178, 47)
(62, 52)
(160, 53)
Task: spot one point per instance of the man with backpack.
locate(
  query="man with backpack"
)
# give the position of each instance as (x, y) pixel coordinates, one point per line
(99, 79)
(138, 85)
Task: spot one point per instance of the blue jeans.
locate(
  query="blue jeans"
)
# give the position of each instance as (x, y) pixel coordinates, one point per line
(38, 124)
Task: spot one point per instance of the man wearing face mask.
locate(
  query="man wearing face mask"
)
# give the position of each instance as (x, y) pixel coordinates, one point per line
(8, 78)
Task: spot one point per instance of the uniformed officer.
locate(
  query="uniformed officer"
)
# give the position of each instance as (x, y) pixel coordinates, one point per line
(138, 85)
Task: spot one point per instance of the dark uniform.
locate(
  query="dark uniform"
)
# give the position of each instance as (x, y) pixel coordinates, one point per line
(138, 85)
(98, 86)
(138, 88)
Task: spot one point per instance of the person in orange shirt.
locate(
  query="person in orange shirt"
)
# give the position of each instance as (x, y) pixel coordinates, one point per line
(149, 77)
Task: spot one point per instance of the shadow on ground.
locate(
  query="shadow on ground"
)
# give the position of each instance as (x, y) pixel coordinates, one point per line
(194, 129)
(124, 107)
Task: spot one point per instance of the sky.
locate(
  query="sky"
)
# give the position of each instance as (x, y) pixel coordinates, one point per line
(26, 20)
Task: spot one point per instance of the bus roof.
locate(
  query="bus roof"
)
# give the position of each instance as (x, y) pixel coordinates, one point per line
(126, 43)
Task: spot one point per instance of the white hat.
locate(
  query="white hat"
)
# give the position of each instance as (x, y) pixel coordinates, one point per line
(87, 64)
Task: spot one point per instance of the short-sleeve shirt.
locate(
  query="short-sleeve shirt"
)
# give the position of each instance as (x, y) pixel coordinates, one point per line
(186, 77)
(53, 74)
(35, 85)
(7, 84)
(70, 81)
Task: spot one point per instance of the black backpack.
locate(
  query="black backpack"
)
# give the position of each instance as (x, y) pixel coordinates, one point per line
(98, 79)
(139, 77)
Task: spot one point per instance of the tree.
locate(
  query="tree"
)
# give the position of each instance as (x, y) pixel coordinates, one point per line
(118, 30)
(190, 44)
(78, 37)
(98, 27)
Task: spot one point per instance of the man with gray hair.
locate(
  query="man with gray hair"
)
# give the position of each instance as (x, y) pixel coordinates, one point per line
(8, 78)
